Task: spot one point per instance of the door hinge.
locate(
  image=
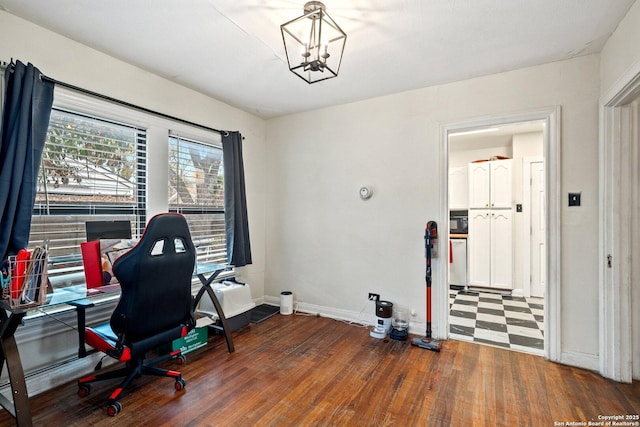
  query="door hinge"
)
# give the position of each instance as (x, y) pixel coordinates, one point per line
(609, 259)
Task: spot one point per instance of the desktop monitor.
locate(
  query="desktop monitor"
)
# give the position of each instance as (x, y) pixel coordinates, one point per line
(97, 230)
(99, 252)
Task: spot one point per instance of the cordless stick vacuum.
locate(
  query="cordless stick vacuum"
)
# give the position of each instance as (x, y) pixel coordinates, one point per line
(430, 240)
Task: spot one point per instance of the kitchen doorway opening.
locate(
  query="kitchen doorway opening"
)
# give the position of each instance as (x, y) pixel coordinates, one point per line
(498, 200)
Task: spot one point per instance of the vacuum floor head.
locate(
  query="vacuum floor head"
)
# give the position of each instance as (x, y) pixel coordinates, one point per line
(428, 344)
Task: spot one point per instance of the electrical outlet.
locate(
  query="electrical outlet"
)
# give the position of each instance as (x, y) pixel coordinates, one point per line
(374, 297)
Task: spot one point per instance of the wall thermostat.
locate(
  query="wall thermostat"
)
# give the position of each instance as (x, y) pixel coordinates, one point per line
(365, 193)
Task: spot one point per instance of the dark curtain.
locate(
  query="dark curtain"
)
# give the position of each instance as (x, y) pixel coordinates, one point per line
(27, 108)
(235, 201)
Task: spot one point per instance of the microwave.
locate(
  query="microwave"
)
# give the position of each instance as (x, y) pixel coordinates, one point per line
(458, 222)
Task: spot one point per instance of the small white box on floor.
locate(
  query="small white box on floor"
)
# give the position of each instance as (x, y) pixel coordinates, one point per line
(235, 300)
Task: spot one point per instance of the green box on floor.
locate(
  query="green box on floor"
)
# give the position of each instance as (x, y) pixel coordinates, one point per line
(196, 338)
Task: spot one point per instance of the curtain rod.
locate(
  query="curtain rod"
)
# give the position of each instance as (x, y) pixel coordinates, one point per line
(130, 105)
(5, 65)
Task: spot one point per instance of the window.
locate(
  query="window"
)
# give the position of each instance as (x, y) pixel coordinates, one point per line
(196, 190)
(92, 169)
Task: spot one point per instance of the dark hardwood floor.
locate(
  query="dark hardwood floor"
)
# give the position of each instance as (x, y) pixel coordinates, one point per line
(309, 371)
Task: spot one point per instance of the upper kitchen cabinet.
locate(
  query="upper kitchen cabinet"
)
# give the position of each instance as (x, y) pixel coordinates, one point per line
(490, 184)
(458, 188)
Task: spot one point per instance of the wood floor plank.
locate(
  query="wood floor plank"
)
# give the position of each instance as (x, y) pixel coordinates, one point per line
(313, 371)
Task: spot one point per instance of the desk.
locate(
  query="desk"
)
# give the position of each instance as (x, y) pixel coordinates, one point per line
(10, 319)
(76, 297)
(207, 273)
(19, 408)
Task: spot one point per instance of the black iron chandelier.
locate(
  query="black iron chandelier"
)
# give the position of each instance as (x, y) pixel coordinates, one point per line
(314, 44)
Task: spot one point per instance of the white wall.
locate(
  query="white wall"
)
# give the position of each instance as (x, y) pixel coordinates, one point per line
(331, 248)
(528, 145)
(621, 53)
(73, 63)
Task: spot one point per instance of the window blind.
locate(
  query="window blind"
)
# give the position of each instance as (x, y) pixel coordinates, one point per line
(196, 190)
(92, 169)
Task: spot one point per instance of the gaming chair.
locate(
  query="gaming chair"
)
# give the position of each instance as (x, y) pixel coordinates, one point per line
(155, 306)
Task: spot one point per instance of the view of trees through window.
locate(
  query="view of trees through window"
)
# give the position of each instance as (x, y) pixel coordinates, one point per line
(87, 162)
(95, 169)
(92, 169)
(196, 189)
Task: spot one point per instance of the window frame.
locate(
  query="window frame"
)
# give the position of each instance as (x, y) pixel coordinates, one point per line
(192, 210)
(158, 129)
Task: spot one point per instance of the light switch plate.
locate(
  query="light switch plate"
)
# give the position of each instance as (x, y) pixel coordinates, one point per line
(574, 199)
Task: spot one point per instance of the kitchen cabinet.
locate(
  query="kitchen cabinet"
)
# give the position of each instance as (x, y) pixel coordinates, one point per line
(490, 184)
(458, 188)
(491, 248)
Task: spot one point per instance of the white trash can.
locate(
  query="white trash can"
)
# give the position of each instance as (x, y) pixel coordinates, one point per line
(286, 302)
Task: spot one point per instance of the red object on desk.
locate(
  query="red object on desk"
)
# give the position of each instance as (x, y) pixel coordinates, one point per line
(91, 261)
(18, 275)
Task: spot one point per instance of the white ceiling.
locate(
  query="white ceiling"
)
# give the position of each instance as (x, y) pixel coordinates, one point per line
(232, 49)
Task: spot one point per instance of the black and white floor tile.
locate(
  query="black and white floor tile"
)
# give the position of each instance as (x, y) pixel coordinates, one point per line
(505, 321)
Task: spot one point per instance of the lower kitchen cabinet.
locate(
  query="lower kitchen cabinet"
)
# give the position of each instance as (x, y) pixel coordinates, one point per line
(490, 248)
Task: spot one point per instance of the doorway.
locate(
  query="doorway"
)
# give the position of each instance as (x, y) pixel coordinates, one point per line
(549, 210)
(500, 299)
(620, 231)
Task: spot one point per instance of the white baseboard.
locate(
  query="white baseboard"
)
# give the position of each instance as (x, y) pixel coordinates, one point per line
(517, 293)
(415, 328)
(580, 360)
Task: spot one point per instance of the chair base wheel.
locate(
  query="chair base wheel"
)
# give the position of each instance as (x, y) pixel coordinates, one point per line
(180, 384)
(84, 390)
(114, 409)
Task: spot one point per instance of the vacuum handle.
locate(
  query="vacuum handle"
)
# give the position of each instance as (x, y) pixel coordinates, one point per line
(431, 240)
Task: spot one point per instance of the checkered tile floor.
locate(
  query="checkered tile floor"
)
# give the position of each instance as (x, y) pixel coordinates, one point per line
(501, 320)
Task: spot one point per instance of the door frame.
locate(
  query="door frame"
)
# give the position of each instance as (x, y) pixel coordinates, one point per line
(551, 135)
(617, 128)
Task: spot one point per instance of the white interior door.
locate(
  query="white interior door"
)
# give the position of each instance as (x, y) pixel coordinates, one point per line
(537, 253)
